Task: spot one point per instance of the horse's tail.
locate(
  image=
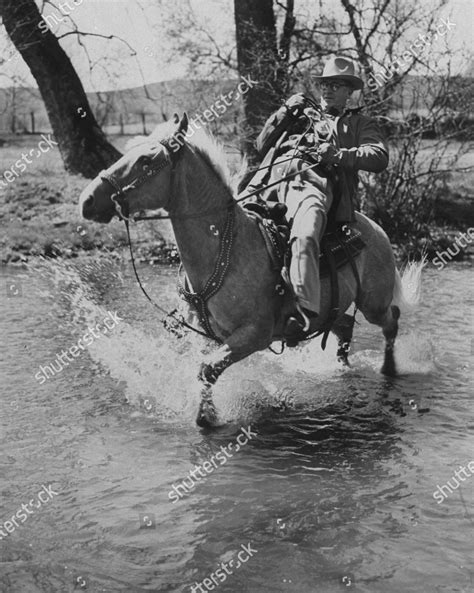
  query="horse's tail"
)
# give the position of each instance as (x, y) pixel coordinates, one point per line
(407, 289)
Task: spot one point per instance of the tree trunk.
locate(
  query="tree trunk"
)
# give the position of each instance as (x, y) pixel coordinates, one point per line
(259, 58)
(82, 144)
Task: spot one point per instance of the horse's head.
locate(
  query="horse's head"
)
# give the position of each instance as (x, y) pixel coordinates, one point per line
(140, 180)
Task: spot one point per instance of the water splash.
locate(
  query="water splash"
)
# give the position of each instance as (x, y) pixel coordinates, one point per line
(157, 372)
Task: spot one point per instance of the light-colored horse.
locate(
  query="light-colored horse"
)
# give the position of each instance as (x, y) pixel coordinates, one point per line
(189, 178)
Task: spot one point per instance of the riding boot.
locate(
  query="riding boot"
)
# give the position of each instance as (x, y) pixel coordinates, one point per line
(297, 326)
(304, 273)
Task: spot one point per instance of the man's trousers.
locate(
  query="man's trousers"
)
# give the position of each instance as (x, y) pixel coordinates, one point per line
(308, 197)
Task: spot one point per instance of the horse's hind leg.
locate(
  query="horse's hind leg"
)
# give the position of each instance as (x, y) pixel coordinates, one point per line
(388, 321)
(343, 329)
(390, 331)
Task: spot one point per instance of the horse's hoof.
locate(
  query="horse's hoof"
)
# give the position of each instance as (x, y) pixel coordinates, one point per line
(344, 361)
(207, 415)
(389, 369)
(203, 422)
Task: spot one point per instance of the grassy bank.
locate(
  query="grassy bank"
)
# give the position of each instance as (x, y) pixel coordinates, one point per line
(39, 214)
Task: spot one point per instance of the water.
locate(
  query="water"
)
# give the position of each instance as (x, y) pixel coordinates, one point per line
(334, 493)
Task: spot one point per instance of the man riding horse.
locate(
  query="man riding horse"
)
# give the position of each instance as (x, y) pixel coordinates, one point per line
(343, 141)
(234, 275)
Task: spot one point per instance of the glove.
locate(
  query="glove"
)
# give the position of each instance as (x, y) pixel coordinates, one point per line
(295, 103)
(297, 100)
(328, 153)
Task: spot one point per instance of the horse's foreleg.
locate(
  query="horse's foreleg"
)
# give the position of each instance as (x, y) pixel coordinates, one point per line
(343, 329)
(244, 341)
(209, 372)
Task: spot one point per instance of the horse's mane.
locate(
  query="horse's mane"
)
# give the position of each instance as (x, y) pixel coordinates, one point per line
(214, 154)
(210, 149)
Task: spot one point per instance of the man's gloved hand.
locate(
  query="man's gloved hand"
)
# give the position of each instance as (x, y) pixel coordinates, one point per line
(328, 153)
(295, 103)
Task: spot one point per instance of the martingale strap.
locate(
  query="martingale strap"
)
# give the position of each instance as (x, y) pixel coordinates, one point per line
(199, 299)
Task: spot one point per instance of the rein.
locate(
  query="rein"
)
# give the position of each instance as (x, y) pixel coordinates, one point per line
(180, 321)
(119, 196)
(121, 205)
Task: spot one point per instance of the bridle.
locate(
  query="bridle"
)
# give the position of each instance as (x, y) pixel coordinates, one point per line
(119, 196)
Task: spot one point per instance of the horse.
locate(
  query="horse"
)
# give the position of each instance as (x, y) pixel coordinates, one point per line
(189, 178)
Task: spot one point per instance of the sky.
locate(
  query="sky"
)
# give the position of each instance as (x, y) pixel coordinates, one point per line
(141, 24)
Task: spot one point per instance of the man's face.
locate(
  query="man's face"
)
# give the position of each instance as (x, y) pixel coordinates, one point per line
(335, 93)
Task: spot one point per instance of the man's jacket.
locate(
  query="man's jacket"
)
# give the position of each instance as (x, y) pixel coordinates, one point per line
(358, 138)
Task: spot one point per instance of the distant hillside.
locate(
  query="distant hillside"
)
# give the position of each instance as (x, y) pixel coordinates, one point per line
(120, 111)
(133, 111)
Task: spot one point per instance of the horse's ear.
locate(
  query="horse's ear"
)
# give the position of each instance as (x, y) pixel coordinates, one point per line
(177, 139)
(182, 125)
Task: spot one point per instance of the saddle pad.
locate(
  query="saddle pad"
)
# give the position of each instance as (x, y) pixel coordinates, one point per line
(342, 242)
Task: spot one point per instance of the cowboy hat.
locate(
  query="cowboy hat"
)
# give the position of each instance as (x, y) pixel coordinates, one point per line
(338, 68)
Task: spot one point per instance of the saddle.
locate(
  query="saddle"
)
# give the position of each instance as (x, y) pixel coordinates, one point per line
(340, 242)
(340, 245)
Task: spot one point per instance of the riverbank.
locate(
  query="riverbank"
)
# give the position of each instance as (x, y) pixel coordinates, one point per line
(39, 216)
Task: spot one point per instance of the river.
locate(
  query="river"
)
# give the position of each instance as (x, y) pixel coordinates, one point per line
(332, 490)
